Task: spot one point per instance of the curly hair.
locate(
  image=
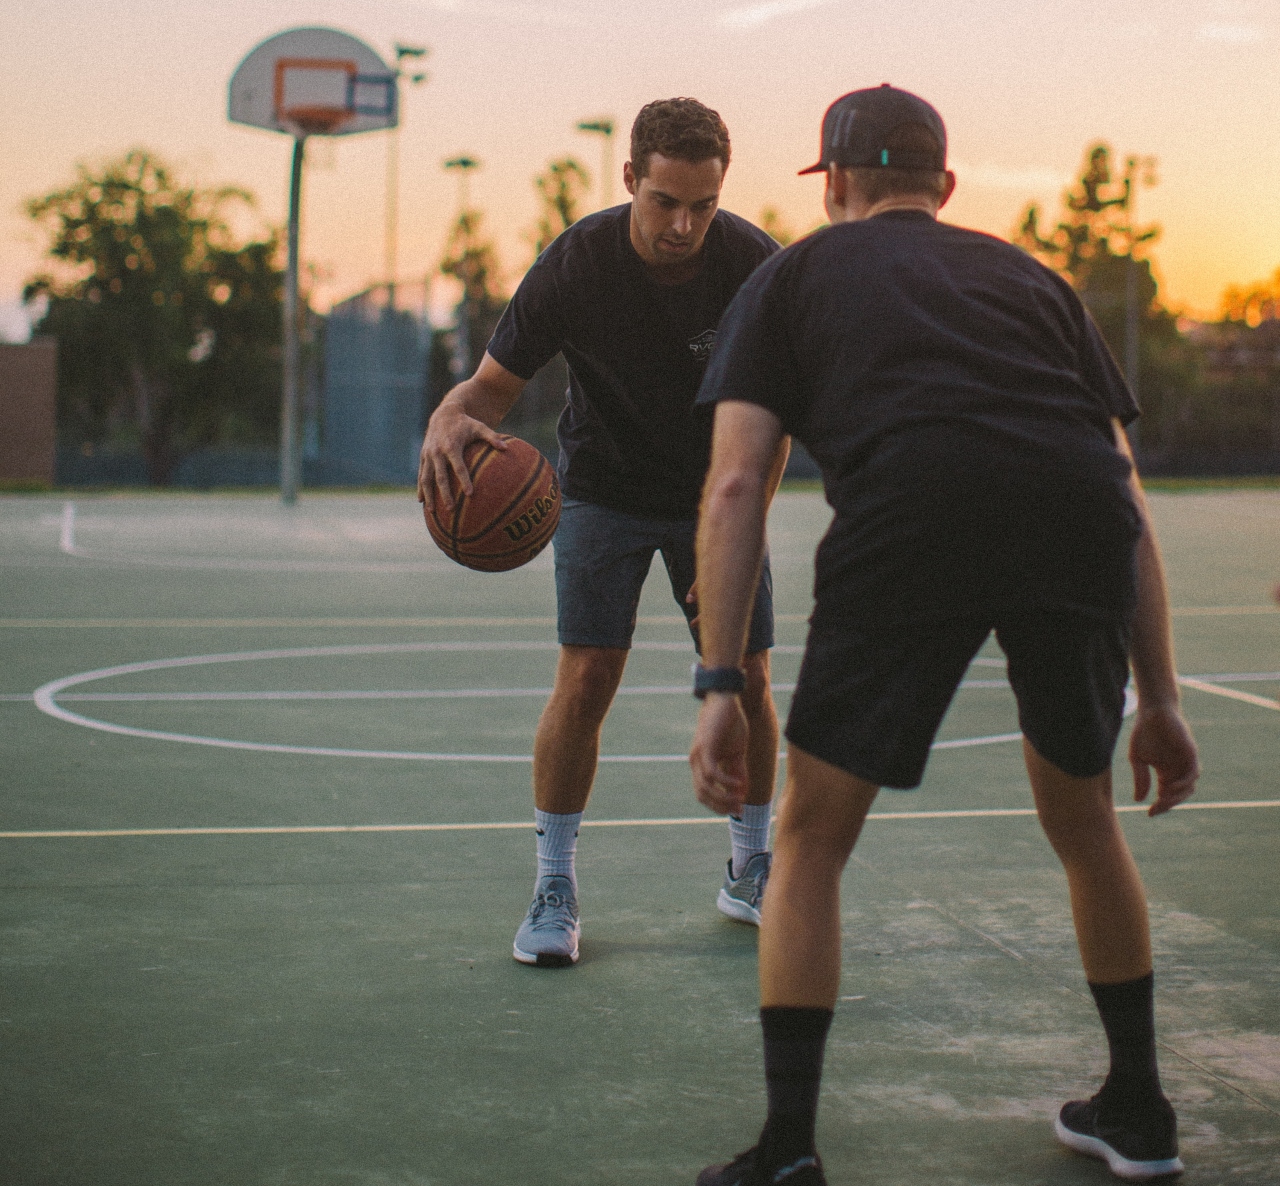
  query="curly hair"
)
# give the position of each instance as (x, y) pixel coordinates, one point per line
(682, 129)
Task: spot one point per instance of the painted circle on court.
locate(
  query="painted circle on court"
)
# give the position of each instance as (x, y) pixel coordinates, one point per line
(46, 700)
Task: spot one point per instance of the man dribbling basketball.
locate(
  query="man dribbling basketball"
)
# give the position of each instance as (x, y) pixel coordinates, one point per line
(632, 296)
(968, 421)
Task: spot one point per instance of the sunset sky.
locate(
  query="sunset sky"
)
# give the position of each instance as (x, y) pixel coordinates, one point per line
(1024, 87)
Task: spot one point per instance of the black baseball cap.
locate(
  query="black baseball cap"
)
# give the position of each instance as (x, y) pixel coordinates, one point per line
(857, 126)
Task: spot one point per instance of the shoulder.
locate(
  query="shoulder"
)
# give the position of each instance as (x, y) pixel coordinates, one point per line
(589, 240)
(743, 239)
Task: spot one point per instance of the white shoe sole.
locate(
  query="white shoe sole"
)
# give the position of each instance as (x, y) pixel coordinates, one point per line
(736, 908)
(1122, 1167)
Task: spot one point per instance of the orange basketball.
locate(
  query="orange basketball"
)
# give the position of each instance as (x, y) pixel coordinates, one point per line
(512, 513)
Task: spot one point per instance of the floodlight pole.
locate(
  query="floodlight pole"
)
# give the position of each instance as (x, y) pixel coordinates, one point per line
(289, 455)
(603, 128)
(391, 241)
(1132, 313)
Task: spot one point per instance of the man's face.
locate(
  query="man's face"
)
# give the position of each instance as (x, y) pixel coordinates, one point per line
(674, 204)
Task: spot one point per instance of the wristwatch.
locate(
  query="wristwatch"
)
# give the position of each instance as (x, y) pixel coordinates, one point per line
(718, 679)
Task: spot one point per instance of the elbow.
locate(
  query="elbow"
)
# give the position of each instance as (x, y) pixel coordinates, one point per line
(733, 489)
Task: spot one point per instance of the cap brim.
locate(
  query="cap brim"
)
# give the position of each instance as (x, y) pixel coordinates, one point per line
(818, 168)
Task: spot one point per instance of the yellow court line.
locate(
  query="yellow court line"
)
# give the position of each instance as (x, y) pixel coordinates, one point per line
(1208, 611)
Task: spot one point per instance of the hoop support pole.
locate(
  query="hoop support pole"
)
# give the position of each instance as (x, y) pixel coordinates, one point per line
(289, 457)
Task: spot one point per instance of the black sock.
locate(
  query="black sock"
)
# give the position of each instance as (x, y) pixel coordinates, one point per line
(1128, 1016)
(794, 1041)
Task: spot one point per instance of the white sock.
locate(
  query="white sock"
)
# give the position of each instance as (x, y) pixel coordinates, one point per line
(749, 834)
(557, 843)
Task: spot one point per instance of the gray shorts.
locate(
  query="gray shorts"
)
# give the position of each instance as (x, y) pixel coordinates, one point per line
(602, 559)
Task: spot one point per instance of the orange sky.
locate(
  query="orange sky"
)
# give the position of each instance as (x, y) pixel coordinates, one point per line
(1024, 87)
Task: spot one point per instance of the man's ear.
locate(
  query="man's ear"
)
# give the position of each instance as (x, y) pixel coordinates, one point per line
(951, 188)
(629, 177)
(838, 185)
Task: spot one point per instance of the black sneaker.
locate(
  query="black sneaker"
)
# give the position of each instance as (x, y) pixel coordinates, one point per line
(1135, 1152)
(743, 1171)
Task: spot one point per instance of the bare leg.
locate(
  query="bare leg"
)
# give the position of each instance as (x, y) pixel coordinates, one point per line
(1107, 899)
(762, 723)
(567, 744)
(822, 813)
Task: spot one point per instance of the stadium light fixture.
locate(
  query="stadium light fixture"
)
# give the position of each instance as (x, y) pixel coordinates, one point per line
(602, 127)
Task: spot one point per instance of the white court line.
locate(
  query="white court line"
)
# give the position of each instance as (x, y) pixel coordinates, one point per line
(323, 829)
(430, 623)
(1201, 685)
(399, 694)
(67, 545)
(45, 698)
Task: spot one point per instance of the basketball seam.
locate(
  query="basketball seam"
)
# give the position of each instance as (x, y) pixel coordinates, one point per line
(486, 451)
(515, 502)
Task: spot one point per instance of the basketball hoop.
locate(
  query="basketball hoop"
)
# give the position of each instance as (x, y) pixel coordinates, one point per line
(308, 82)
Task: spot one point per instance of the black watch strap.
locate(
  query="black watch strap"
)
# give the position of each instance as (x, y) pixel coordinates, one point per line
(718, 679)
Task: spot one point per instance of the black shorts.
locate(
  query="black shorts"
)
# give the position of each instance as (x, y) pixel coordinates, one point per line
(870, 699)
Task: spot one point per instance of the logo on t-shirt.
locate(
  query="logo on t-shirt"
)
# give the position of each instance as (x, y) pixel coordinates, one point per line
(701, 345)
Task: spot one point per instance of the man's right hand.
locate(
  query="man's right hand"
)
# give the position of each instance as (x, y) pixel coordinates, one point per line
(490, 394)
(442, 468)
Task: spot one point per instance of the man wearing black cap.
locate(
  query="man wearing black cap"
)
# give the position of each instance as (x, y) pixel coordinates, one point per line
(968, 420)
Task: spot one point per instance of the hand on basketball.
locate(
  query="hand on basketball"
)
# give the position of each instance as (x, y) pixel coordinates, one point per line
(1162, 741)
(719, 754)
(441, 467)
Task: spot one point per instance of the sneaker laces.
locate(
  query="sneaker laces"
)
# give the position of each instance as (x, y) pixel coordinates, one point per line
(549, 909)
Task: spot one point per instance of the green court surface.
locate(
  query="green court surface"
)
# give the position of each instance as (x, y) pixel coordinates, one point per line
(258, 904)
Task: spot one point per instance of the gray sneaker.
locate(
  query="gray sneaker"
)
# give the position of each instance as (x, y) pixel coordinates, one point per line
(549, 934)
(740, 897)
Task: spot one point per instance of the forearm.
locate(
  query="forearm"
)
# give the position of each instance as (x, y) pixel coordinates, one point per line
(1154, 672)
(1151, 650)
(487, 396)
(778, 467)
(730, 550)
(477, 399)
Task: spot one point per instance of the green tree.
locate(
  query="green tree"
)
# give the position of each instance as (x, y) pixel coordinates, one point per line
(471, 258)
(773, 225)
(562, 187)
(1094, 239)
(1252, 304)
(1093, 245)
(168, 327)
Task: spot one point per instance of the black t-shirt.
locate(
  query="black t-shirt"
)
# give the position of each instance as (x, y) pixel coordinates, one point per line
(630, 437)
(958, 399)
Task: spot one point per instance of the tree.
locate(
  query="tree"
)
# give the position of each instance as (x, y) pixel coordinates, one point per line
(562, 186)
(773, 225)
(1094, 241)
(1095, 246)
(1254, 304)
(168, 328)
(472, 259)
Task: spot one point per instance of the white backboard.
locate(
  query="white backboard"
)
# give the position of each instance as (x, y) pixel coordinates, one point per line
(314, 81)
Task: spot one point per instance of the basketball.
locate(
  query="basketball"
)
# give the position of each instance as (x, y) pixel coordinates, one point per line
(511, 514)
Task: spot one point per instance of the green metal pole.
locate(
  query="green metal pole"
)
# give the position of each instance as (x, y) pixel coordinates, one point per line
(289, 455)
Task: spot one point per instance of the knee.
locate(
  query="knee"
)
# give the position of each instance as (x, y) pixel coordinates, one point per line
(586, 683)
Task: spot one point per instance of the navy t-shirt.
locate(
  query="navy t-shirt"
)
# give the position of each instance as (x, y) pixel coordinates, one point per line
(630, 437)
(959, 400)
